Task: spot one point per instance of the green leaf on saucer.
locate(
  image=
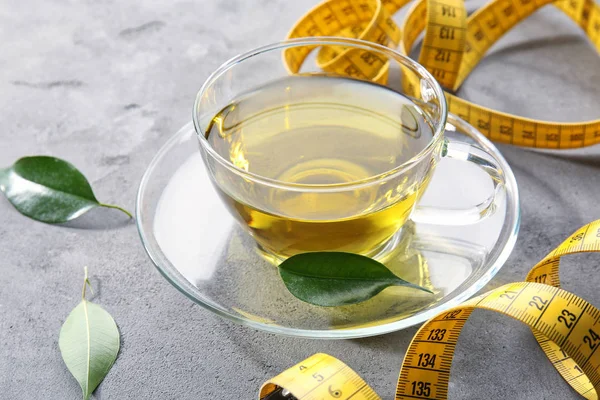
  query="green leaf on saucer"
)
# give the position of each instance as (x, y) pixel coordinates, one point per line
(48, 189)
(334, 279)
(89, 343)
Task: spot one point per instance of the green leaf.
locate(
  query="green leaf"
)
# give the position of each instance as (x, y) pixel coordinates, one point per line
(335, 279)
(89, 343)
(48, 189)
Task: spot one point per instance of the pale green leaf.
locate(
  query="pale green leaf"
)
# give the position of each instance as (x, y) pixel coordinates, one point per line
(89, 343)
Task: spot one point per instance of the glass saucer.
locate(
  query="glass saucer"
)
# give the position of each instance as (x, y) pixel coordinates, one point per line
(197, 246)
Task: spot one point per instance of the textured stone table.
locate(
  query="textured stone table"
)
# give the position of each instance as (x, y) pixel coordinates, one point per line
(105, 83)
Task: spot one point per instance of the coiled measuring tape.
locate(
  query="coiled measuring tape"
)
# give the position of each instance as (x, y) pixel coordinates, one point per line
(452, 46)
(566, 327)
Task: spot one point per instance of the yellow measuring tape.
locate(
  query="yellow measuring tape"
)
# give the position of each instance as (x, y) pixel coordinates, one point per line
(452, 46)
(566, 327)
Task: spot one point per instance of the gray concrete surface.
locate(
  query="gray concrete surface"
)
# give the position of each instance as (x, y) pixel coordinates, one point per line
(105, 83)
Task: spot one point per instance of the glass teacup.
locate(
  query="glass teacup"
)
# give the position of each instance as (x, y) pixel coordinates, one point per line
(319, 161)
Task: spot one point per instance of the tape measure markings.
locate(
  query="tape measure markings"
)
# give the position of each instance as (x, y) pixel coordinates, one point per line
(566, 327)
(521, 301)
(453, 46)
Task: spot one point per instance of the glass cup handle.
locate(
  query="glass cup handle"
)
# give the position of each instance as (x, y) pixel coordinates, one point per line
(450, 216)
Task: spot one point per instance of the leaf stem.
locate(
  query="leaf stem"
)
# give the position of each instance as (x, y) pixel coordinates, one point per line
(117, 208)
(86, 283)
